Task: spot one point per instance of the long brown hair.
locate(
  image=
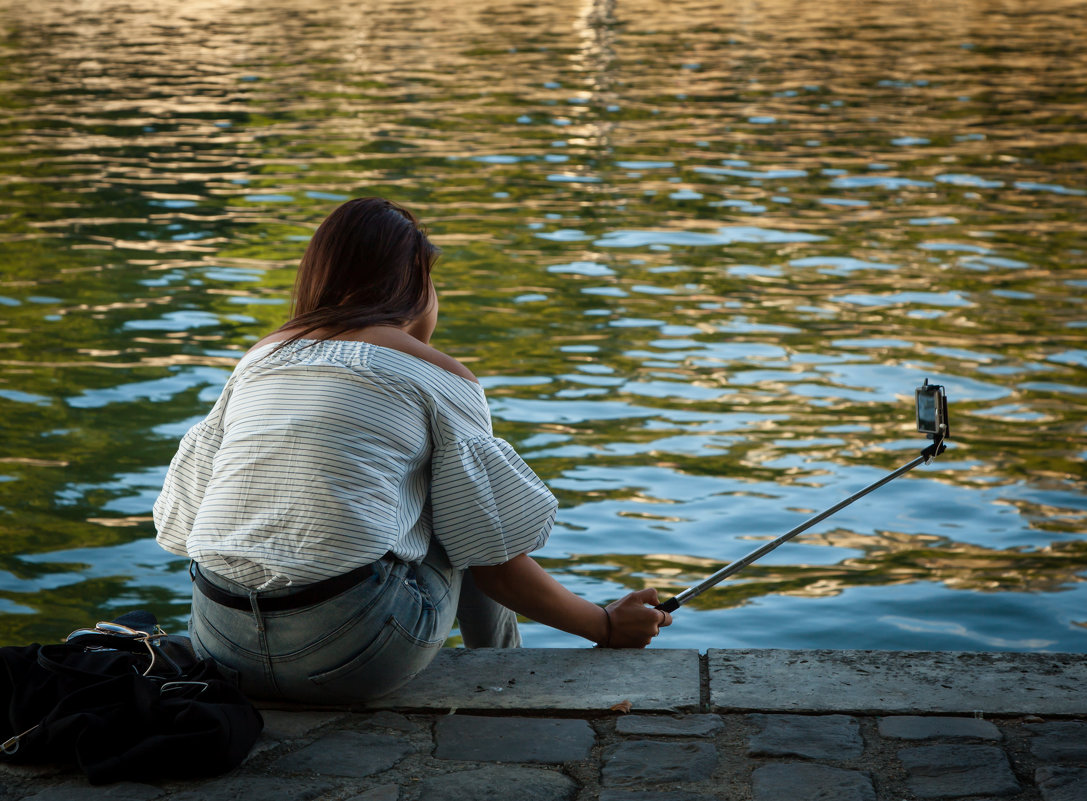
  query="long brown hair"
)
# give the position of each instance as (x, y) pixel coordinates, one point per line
(368, 264)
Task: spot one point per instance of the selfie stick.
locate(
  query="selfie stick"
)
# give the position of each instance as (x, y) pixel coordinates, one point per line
(672, 604)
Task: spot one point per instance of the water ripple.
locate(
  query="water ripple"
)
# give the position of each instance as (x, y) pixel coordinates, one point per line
(689, 384)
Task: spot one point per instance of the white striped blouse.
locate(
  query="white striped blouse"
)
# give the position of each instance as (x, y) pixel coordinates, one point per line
(321, 457)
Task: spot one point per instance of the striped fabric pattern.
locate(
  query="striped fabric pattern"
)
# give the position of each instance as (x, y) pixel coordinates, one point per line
(320, 457)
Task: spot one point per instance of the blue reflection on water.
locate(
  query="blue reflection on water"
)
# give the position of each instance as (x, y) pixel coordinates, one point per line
(209, 379)
(725, 236)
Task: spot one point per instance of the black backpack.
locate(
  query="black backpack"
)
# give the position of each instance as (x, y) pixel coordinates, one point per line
(124, 701)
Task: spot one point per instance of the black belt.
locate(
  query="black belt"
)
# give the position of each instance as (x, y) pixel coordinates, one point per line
(306, 596)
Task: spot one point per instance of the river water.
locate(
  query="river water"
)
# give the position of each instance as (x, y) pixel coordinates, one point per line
(700, 255)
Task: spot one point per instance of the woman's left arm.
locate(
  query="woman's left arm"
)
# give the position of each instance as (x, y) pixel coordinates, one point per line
(523, 586)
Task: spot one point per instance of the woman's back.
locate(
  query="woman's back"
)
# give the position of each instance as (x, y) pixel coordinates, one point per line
(319, 458)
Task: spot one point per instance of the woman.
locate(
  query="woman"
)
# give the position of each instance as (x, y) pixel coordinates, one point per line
(345, 498)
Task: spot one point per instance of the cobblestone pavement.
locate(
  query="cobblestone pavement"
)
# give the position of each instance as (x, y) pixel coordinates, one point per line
(388, 756)
(541, 753)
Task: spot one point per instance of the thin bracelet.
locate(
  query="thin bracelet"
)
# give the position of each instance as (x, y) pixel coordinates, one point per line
(607, 637)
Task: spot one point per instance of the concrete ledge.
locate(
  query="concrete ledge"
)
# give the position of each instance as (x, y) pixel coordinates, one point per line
(898, 682)
(575, 681)
(553, 679)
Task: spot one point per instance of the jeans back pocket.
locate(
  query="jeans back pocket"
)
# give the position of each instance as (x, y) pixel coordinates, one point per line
(386, 663)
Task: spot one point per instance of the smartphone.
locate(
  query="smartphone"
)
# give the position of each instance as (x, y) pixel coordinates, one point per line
(932, 411)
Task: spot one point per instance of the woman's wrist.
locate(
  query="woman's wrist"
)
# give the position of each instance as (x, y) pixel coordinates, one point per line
(604, 641)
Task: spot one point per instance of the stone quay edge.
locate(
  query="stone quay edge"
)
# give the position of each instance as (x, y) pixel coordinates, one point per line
(561, 680)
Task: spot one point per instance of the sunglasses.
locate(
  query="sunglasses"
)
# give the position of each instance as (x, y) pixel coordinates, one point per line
(148, 639)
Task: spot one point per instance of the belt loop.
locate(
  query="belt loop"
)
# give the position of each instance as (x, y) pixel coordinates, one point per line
(192, 570)
(256, 610)
(382, 568)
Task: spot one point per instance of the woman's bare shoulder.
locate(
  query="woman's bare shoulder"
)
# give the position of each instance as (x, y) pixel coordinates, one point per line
(278, 335)
(398, 340)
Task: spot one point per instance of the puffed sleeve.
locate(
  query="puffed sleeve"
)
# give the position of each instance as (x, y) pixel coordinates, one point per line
(487, 505)
(184, 487)
(187, 477)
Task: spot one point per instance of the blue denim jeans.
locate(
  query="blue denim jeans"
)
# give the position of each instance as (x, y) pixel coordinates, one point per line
(359, 645)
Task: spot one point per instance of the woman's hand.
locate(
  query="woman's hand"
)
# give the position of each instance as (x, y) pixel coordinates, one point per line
(632, 623)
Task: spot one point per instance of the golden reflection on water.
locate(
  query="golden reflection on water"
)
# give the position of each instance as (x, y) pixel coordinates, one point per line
(892, 559)
(699, 254)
